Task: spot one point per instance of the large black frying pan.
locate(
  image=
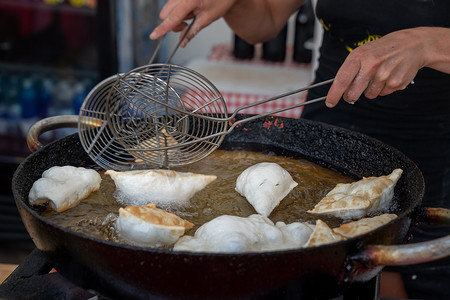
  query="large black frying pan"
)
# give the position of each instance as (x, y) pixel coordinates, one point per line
(121, 271)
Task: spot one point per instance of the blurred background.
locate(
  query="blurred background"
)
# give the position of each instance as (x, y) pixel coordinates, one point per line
(53, 52)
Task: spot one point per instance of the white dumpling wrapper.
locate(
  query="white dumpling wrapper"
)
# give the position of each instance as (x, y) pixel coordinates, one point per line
(265, 185)
(256, 233)
(150, 226)
(356, 200)
(162, 187)
(296, 234)
(64, 187)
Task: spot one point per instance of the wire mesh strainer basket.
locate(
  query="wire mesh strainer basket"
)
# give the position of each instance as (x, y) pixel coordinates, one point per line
(153, 116)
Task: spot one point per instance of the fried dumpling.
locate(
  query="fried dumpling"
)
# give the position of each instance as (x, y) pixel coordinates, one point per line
(264, 185)
(359, 199)
(233, 234)
(150, 226)
(64, 187)
(163, 139)
(364, 225)
(323, 235)
(162, 187)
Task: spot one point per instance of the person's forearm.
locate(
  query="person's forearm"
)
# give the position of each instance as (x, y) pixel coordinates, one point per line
(260, 20)
(437, 48)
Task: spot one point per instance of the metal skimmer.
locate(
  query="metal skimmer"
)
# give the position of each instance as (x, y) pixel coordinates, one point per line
(97, 134)
(159, 115)
(167, 115)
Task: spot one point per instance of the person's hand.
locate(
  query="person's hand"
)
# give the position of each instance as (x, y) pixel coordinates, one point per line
(252, 20)
(176, 12)
(380, 67)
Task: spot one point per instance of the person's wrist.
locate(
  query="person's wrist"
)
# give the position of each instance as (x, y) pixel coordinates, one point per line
(436, 45)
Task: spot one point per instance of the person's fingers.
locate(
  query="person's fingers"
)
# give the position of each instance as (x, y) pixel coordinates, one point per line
(391, 86)
(168, 24)
(167, 8)
(399, 78)
(173, 14)
(373, 89)
(180, 27)
(190, 35)
(357, 87)
(378, 81)
(344, 78)
(202, 19)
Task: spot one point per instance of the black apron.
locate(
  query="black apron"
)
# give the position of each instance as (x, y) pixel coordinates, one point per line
(416, 120)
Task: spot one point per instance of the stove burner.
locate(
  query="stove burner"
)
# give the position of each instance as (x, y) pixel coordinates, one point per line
(34, 279)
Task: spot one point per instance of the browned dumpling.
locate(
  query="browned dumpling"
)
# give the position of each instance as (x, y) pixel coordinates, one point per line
(162, 140)
(359, 199)
(150, 226)
(363, 226)
(323, 234)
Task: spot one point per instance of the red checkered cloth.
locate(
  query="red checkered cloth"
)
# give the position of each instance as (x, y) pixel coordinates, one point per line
(234, 100)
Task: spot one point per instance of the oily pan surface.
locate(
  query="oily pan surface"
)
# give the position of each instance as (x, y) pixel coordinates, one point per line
(269, 138)
(96, 215)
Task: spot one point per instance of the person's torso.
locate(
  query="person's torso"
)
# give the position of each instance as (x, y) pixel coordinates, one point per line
(355, 22)
(351, 23)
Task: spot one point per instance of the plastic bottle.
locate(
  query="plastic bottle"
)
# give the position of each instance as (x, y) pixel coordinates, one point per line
(62, 98)
(242, 49)
(28, 99)
(304, 32)
(12, 91)
(14, 128)
(3, 105)
(80, 93)
(13, 114)
(275, 49)
(45, 97)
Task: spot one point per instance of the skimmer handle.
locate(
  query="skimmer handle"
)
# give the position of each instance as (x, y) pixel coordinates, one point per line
(276, 98)
(158, 46)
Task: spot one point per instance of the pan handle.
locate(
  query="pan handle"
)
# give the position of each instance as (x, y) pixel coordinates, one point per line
(410, 253)
(47, 124)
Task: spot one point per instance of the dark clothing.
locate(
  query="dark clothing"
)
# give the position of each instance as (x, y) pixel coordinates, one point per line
(416, 120)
